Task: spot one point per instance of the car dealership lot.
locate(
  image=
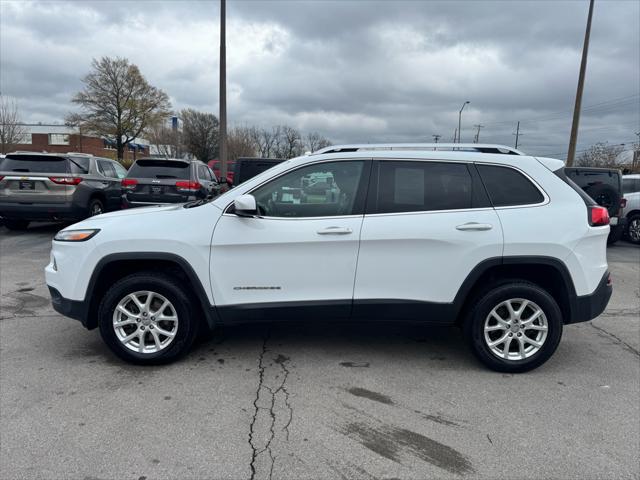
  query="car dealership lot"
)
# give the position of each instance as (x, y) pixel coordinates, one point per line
(310, 401)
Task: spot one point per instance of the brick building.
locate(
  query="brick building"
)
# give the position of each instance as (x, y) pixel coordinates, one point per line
(64, 139)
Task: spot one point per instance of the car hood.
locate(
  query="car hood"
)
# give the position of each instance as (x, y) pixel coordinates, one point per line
(133, 214)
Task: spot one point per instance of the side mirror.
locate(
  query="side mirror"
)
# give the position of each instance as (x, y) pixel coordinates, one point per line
(245, 206)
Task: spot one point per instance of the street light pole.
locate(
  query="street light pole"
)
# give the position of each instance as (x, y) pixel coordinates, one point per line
(223, 93)
(460, 120)
(576, 109)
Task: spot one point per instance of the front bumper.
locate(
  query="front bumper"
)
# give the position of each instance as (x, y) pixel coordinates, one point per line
(69, 308)
(588, 307)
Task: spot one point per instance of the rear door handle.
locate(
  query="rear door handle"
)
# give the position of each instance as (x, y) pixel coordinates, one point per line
(335, 231)
(474, 226)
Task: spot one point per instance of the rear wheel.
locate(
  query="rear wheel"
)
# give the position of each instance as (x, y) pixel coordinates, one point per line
(96, 207)
(16, 224)
(147, 319)
(633, 228)
(514, 327)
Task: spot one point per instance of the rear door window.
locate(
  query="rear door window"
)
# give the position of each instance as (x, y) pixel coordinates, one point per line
(121, 172)
(34, 164)
(508, 187)
(159, 169)
(414, 186)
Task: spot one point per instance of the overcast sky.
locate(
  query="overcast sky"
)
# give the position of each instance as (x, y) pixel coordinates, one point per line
(356, 71)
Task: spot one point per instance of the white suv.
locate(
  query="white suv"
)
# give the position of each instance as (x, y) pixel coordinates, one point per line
(479, 236)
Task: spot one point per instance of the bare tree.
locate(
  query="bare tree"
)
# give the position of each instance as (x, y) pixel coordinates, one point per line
(291, 142)
(200, 131)
(118, 102)
(315, 141)
(11, 129)
(600, 155)
(265, 140)
(166, 140)
(241, 143)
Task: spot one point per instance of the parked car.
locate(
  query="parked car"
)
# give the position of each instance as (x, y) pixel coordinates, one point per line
(215, 166)
(40, 186)
(604, 185)
(156, 181)
(503, 245)
(244, 168)
(631, 190)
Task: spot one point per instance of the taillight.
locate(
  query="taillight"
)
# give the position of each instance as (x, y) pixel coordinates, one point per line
(66, 180)
(623, 201)
(185, 186)
(598, 216)
(1, 177)
(129, 183)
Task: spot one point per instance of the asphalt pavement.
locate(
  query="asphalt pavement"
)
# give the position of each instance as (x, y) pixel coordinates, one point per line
(322, 401)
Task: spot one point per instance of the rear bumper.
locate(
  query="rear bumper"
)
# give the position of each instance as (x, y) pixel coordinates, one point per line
(69, 308)
(126, 203)
(588, 307)
(42, 211)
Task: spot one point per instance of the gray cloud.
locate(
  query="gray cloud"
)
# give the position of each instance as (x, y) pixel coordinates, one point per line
(353, 70)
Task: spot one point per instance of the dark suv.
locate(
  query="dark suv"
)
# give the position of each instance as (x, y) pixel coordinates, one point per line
(156, 181)
(40, 186)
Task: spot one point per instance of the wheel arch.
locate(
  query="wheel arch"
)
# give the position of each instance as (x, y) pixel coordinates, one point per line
(549, 273)
(118, 265)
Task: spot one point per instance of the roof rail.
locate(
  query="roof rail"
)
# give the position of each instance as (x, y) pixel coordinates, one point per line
(466, 147)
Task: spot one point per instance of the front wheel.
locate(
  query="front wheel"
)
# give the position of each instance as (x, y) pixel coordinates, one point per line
(147, 318)
(96, 207)
(514, 327)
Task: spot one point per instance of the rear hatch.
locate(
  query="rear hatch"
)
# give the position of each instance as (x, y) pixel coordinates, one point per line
(602, 184)
(159, 181)
(41, 179)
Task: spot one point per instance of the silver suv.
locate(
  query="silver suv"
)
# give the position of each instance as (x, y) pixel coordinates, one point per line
(41, 186)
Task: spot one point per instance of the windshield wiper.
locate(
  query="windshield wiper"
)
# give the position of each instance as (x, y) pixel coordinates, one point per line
(82, 169)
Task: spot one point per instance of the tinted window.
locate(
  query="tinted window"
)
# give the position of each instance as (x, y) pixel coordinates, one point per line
(506, 186)
(630, 185)
(34, 164)
(321, 190)
(106, 168)
(159, 169)
(423, 186)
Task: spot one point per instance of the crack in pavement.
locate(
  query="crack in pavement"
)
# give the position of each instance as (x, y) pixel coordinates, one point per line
(621, 342)
(262, 434)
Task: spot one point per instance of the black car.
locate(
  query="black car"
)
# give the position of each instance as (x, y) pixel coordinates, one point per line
(604, 185)
(41, 186)
(156, 181)
(246, 168)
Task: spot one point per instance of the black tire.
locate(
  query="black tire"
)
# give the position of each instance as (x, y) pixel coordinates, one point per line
(475, 323)
(16, 224)
(633, 228)
(96, 207)
(615, 234)
(168, 287)
(605, 196)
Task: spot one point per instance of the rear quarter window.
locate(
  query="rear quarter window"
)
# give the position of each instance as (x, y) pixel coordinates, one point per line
(159, 169)
(508, 187)
(34, 164)
(630, 185)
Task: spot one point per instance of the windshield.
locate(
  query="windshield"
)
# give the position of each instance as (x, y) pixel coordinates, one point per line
(159, 169)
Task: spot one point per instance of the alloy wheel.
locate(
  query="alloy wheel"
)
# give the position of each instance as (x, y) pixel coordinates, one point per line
(96, 209)
(145, 322)
(515, 329)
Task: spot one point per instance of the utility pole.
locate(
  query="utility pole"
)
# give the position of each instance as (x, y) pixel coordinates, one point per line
(517, 134)
(460, 120)
(455, 135)
(436, 138)
(576, 110)
(223, 93)
(476, 139)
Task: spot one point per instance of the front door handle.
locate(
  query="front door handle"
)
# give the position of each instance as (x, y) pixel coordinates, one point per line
(335, 231)
(474, 226)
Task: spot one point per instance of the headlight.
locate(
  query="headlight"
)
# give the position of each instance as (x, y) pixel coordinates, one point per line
(75, 235)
